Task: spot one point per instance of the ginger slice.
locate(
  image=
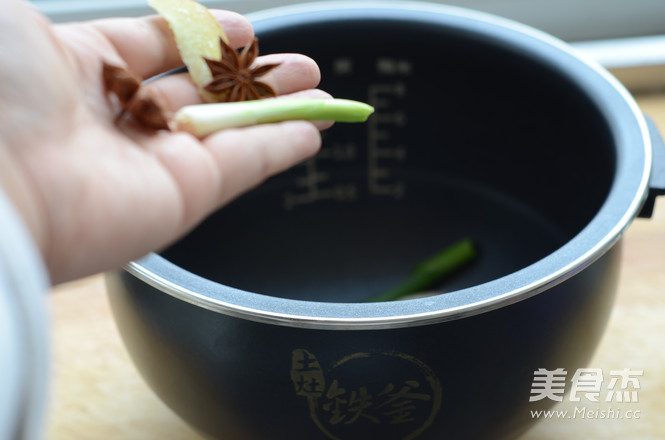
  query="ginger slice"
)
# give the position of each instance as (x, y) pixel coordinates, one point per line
(197, 33)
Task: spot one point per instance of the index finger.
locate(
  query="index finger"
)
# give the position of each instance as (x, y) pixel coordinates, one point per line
(147, 44)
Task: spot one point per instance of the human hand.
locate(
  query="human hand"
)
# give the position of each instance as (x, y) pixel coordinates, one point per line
(96, 194)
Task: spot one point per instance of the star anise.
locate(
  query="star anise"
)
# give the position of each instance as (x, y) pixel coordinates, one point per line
(138, 101)
(235, 76)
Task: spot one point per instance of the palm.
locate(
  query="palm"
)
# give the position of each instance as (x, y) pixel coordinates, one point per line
(101, 194)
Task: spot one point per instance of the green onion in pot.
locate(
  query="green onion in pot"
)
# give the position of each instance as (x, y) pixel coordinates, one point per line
(431, 271)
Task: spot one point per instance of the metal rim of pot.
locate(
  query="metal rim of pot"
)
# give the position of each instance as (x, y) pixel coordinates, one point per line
(627, 194)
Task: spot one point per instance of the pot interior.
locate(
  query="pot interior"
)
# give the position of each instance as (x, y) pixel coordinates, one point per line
(472, 137)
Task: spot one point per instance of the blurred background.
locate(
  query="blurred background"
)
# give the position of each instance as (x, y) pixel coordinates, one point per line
(627, 37)
(571, 20)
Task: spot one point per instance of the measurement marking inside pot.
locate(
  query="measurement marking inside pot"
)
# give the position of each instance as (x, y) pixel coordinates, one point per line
(379, 135)
(339, 152)
(313, 180)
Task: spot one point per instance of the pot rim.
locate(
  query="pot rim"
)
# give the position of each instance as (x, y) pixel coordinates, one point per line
(627, 194)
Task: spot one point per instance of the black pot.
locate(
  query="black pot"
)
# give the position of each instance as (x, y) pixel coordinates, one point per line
(250, 327)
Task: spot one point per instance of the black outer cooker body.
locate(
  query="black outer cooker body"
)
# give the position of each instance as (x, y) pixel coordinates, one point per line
(470, 378)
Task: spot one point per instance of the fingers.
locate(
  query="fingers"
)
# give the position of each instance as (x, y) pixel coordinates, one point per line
(294, 74)
(147, 44)
(248, 156)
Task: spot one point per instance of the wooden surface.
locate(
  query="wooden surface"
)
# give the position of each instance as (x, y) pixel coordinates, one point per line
(97, 393)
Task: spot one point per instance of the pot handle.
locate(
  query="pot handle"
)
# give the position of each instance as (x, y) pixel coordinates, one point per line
(657, 179)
